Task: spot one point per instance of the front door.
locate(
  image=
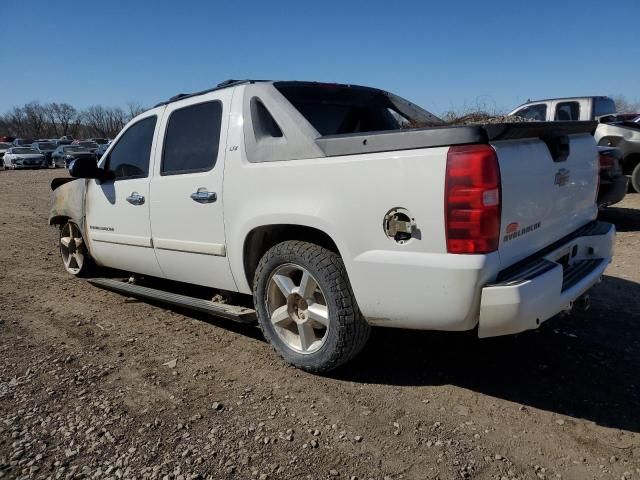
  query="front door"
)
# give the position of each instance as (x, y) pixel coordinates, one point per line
(186, 191)
(117, 212)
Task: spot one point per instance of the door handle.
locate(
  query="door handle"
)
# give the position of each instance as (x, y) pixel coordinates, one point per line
(135, 198)
(204, 196)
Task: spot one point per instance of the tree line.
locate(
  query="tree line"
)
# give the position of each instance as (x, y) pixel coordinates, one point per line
(54, 120)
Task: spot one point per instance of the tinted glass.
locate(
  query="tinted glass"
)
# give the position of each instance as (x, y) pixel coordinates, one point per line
(567, 111)
(5, 145)
(192, 139)
(264, 125)
(603, 106)
(46, 146)
(339, 109)
(534, 112)
(129, 158)
(24, 150)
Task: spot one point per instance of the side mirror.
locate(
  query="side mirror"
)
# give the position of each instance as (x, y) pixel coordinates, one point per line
(88, 168)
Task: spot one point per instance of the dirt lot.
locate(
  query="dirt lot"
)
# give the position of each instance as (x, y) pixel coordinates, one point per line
(86, 392)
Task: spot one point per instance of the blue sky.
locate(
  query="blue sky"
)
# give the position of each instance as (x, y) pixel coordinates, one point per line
(439, 54)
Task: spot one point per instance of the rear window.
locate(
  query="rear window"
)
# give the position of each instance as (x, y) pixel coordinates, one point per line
(342, 109)
(603, 106)
(566, 111)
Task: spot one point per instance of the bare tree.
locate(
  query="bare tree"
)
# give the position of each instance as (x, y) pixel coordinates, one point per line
(103, 121)
(625, 106)
(65, 117)
(36, 119)
(134, 109)
(16, 121)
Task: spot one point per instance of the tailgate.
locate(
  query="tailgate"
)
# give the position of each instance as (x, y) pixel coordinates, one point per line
(544, 199)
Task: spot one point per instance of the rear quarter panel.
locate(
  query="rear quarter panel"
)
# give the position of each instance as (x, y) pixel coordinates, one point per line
(346, 197)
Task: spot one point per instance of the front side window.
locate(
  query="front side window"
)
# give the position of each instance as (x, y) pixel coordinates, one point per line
(533, 112)
(129, 158)
(192, 139)
(567, 111)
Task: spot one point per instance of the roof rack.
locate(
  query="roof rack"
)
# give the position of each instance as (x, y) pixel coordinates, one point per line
(220, 86)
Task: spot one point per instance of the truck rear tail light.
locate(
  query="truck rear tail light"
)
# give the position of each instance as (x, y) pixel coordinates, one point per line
(472, 199)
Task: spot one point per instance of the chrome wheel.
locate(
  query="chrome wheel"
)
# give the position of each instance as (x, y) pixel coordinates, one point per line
(297, 308)
(72, 248)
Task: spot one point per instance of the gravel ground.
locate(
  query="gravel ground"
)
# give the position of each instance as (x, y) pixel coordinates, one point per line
(95, 385)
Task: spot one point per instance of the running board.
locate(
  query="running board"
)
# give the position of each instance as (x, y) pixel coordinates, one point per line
(231, 312)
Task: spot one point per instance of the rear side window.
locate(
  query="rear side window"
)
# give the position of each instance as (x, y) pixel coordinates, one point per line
(192, 139)
(129, 158)
(567, 111)
(533, 112)
(603, 106)
(264, 125)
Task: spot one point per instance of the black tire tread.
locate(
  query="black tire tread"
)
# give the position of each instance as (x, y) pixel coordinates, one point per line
(353, 329)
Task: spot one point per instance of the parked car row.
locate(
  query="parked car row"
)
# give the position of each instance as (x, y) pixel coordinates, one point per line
(51, 152)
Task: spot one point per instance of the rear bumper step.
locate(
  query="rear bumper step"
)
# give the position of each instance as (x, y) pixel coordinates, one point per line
(231, 312)
(540, 289)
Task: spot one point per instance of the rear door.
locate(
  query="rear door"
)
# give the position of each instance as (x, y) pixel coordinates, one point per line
(186, 191)
(566, 110)
(117, 212)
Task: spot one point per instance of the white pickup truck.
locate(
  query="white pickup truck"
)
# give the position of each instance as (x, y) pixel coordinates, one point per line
(338, 207)
(611, 132)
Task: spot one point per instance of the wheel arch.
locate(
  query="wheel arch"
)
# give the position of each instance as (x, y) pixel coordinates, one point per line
(58, 219)
(262, 238)
(609, 141)
(68, 204)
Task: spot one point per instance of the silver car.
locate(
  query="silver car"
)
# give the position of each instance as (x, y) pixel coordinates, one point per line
(4, 146)
(23, 157)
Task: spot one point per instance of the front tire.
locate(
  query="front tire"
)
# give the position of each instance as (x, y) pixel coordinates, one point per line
(306, 307)
(73, 250)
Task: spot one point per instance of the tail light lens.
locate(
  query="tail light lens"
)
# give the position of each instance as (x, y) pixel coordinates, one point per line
(607, 162)
(472, 199)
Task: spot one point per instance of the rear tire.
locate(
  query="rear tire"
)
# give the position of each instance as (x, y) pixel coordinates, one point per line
(306, 308)
(635, 178)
